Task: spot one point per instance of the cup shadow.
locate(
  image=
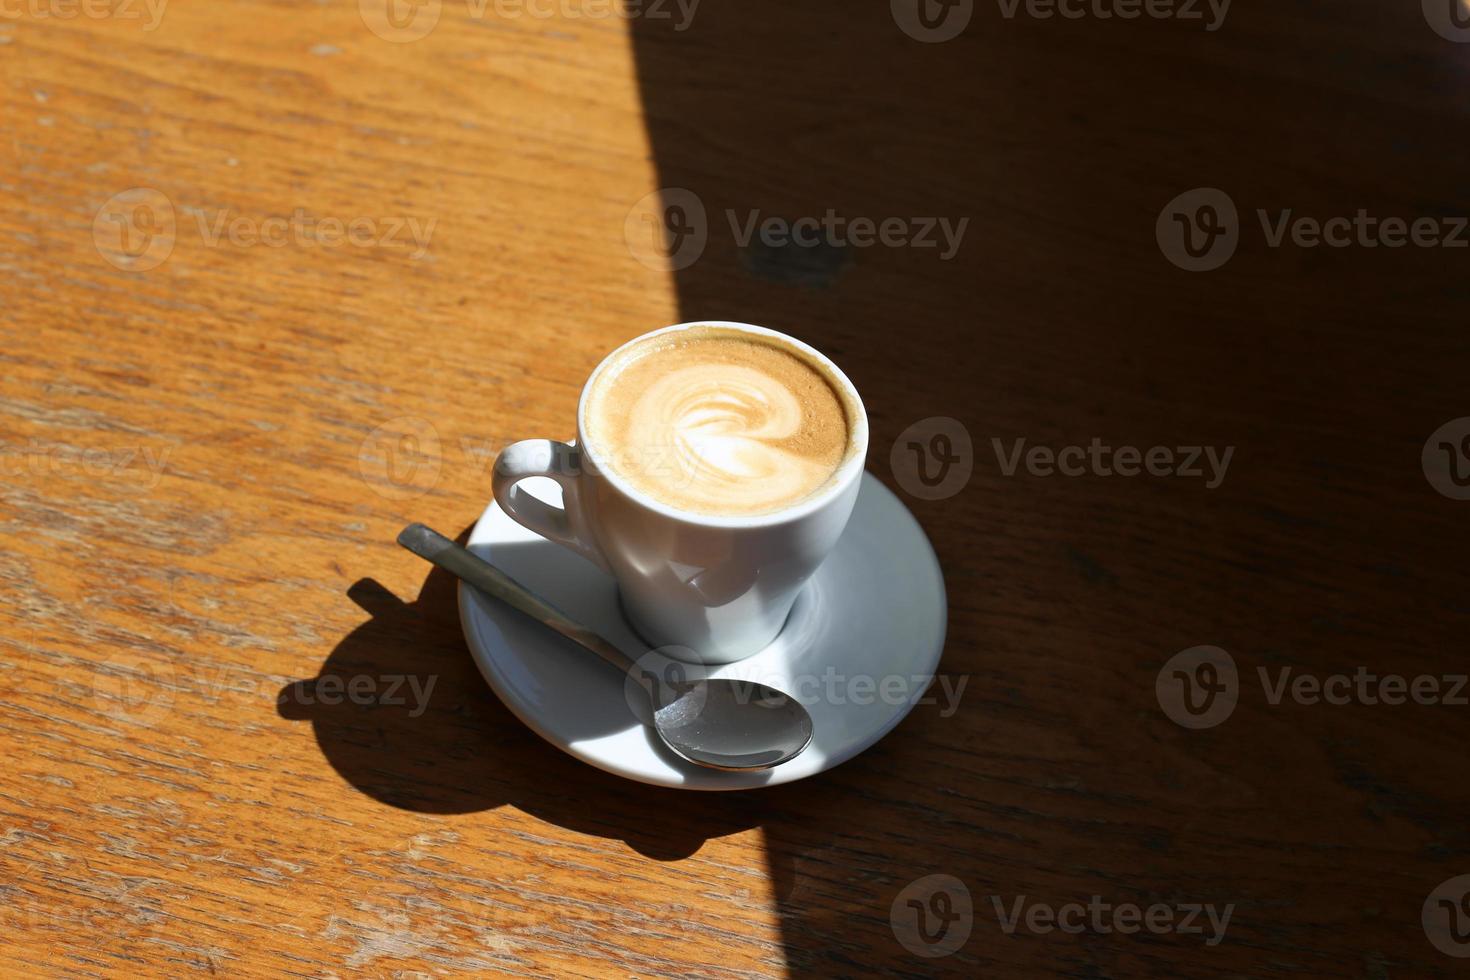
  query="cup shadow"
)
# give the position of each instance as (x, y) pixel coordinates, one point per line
(400, 711)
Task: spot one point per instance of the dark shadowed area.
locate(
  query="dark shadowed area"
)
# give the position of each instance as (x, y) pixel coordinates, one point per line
(1031, 164)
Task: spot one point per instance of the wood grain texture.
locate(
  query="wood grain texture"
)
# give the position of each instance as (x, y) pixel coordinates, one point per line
(205, 464)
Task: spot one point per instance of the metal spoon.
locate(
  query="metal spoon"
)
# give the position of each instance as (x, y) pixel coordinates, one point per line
(717, 723)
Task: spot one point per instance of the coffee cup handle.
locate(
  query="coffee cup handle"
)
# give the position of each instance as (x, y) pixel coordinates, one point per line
(567, 525)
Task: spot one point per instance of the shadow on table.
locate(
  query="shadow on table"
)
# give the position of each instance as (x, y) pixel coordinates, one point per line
(423, 732)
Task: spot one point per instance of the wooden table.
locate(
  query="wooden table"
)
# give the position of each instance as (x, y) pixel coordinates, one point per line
(276, 282)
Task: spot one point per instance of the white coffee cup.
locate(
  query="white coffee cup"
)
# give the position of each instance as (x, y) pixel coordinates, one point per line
(720, 586)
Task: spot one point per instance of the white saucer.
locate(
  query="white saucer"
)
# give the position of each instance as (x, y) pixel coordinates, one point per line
(861, 646)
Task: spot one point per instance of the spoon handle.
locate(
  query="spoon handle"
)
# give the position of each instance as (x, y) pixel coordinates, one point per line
(460, 562)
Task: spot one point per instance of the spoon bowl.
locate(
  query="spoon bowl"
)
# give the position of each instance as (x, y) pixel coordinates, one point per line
(730, 724)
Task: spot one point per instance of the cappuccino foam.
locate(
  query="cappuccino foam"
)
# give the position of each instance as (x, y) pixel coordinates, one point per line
(719, 421)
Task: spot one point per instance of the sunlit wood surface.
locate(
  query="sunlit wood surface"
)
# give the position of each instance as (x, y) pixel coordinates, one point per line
(209, 442)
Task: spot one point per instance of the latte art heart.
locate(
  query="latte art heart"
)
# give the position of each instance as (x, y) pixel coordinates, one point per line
(720, 424)
(725, 432)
